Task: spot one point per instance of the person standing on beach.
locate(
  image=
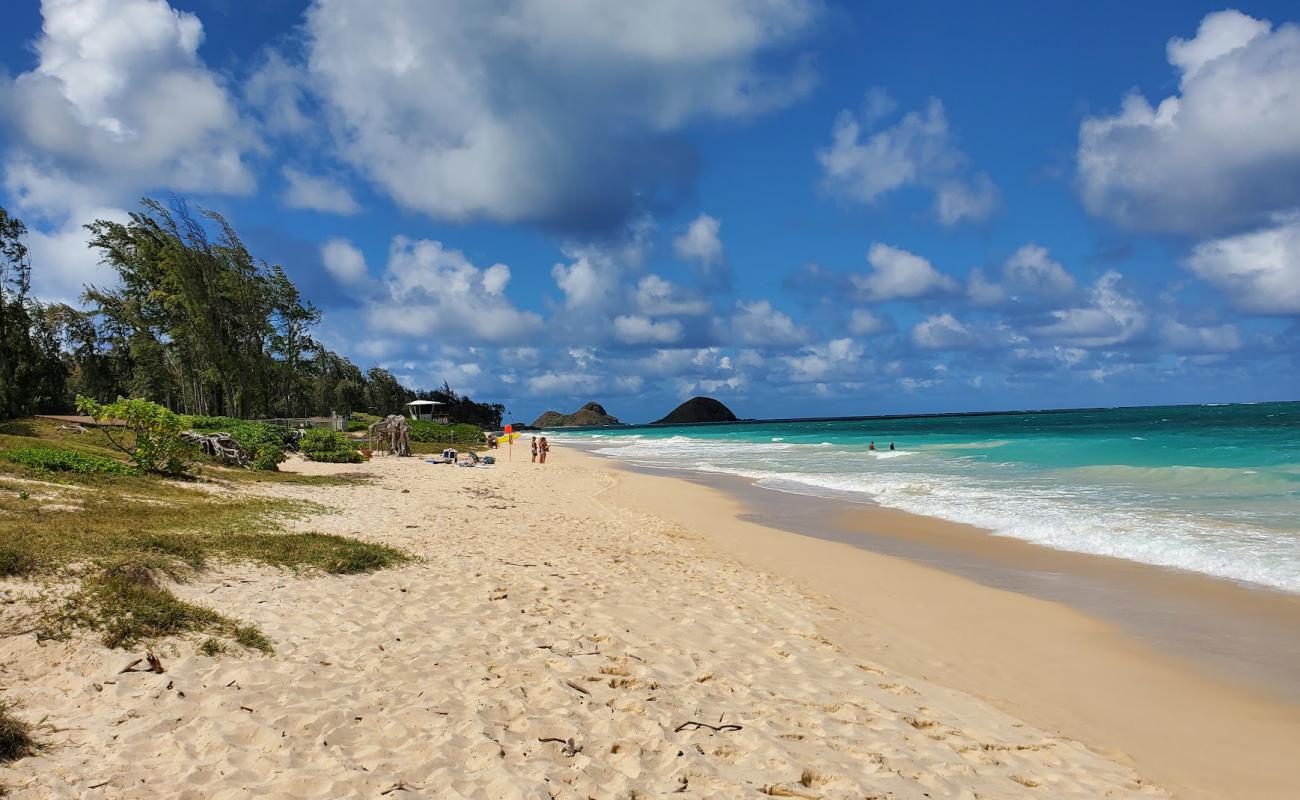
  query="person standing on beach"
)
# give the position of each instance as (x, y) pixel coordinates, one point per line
(535, 450)
(543, 448)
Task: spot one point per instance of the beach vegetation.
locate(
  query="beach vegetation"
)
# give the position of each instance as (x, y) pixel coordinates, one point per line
(108, 543)
(16, 737)
(155, 443)
(460, 433)
(265, 444)
(212, 647)
(320, 444)
(50, 459)
(195, 323)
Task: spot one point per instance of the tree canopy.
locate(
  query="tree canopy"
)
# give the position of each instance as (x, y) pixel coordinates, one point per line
(194, 322)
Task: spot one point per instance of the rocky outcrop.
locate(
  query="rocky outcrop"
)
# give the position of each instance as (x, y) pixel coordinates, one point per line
(592, 414)
(698, 409)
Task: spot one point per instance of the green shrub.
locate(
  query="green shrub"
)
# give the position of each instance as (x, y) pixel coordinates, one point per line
(157, 446)
(319, 444)
(437, 433)
(264, 443)
(51, 460)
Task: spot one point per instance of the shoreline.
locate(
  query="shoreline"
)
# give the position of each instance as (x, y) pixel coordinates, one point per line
(1041, 660)
(1241, 633)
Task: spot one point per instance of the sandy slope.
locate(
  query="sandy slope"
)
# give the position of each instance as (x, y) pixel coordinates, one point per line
(540, 611)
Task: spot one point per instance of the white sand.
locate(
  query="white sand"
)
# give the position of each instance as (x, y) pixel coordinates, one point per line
(540, 610)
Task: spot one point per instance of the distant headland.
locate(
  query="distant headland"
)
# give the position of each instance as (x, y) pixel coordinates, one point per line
(698, 409)
(592, 414)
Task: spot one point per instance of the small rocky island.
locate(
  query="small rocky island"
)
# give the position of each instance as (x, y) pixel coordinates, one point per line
(698, 409)
(592, 414)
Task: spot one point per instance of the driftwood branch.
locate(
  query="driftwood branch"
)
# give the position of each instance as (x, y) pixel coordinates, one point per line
(400, 786)
(566, 654)
(155, 665)
(695, 726)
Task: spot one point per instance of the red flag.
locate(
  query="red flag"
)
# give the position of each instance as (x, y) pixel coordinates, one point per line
(510, 428)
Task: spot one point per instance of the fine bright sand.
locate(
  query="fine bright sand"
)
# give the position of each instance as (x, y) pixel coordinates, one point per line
(550, 642)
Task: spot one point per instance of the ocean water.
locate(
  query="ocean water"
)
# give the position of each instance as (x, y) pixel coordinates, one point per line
(1213, 489)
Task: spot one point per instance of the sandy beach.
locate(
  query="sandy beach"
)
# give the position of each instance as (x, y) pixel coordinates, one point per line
(576, 631)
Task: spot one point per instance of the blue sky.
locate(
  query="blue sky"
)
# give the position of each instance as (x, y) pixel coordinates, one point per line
(801, 208)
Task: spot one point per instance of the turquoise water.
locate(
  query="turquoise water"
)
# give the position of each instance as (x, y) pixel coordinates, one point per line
(1211, 489)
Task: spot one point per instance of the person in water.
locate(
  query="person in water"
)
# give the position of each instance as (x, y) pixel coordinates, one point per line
(872, 446)
(891, 445)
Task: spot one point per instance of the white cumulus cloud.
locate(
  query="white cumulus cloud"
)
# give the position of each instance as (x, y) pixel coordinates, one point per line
(863, 322)
(759, 323)
(1259, 271)
(633, 329)
(1030, 275)
(656, 296)
(344, 261)
(917, 150)
(316, 193)
(428, 289)
(701, 245)
(899, 274)
(942, 332)
(119, 102)
(1110, 317)
(700, 241)
(1221, 154)
(558, 111)
(834, 360)
(1200, 339)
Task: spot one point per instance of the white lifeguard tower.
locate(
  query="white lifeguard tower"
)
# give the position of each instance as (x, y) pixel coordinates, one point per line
(426, 410)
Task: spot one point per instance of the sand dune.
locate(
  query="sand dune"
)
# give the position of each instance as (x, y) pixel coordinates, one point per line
(549, 643)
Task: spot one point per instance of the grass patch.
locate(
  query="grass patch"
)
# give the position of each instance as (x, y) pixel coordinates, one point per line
(44, 434)
(116, 536)
(16, 739)
(129, 606)
(15, 562)
(212, 647)
(322, 551)
(48, 459)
